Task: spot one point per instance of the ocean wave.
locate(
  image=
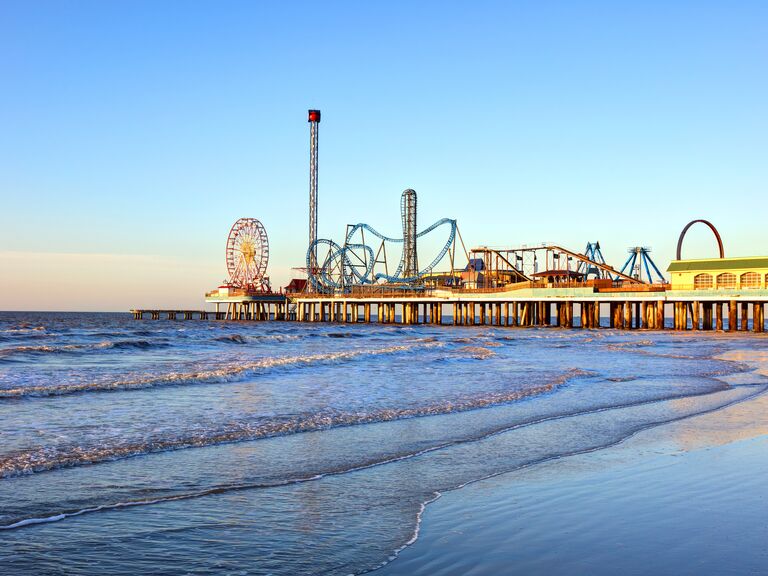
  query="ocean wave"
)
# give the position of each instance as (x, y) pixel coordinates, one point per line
(36, 349)
(49, 458)
(232, 338)
(669, 355)
(221, 489)
(345, 335)
(131, 344)
(647, 348)
(336, 335)
(476, 352)
(388, 459)
(26, 336)
(240, 339)
(79, 348)
(222, 374)
(630, 346)
(24, 329)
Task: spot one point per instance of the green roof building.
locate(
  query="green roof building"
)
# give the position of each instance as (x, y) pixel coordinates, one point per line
(750, 273)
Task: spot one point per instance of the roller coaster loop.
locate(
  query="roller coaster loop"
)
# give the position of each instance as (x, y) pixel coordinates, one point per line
(337, 271)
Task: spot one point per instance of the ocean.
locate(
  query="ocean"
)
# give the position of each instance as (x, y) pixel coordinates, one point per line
(199, 447)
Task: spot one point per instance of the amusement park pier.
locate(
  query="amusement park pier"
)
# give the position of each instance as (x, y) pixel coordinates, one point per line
(370, 277)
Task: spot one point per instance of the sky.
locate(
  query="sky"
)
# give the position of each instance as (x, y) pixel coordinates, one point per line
(134, 134)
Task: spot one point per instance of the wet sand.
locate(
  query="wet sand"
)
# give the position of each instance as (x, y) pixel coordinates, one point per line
(685, 498)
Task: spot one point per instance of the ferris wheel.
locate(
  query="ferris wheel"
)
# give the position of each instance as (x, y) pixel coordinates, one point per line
(248, 255)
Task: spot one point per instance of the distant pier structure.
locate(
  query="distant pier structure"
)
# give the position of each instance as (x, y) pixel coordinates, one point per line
(360, 278)
(498, 287)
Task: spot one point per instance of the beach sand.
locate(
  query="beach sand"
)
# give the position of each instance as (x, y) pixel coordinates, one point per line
(684, 498)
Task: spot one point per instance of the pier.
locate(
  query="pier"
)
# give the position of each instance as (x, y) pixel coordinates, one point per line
(233, 306)
(352, 280)
(175, 314)
(626, 311)
(574, 307)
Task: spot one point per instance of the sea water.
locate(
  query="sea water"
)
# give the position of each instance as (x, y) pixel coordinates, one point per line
(186, 447)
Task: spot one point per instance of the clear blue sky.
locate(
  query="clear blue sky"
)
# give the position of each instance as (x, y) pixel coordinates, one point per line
(135, 133)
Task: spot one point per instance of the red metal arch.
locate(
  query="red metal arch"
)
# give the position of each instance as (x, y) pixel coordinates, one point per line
(711, 227)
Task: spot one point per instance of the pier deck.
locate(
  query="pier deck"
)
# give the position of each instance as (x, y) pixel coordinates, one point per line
(576, 307)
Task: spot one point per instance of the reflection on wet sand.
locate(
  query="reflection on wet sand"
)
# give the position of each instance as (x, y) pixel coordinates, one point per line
(742, 421)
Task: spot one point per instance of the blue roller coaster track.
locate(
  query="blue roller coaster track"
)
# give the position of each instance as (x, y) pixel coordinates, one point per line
(337, 271)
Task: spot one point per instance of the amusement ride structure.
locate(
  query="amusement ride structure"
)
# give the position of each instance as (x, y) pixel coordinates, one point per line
(543, 264)
(531, 285)
(593, 253)
(333, 267)
(247, 256)
(313, 117)
(356, 263)
(638, 261)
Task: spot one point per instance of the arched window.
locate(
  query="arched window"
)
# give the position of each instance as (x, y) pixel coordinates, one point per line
(750, 280)
(726, 280)
(702, 281)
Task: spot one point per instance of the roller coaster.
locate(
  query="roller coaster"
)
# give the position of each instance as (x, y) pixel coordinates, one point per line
(361, 260)
(545, 263)
(356, 263)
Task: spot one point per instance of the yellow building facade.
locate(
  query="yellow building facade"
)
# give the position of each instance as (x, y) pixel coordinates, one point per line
(749, 273)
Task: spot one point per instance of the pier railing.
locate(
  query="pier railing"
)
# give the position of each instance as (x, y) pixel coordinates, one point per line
(429, 291)
(735, 288)
(354, 294)
(240, 292)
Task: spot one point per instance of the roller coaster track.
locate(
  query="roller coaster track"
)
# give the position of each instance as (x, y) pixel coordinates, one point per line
(615, 274)
(337, 271)
(396, 276)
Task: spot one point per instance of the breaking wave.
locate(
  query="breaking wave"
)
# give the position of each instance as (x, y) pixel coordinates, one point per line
(395, 457)
(79, 348)
(630, 346)
(222, 374)
(476, 352)
(232, 338)
(344, 335)
(240, 339)
(26, 329)
(43, 459)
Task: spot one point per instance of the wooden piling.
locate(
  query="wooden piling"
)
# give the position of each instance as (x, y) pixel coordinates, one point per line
(732, 316)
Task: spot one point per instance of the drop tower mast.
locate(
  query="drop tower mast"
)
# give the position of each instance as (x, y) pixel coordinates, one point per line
(314, 122)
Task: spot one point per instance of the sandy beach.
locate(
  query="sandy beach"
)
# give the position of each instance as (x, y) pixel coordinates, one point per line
(683, 498)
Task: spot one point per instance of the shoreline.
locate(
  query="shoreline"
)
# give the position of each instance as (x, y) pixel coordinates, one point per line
(502, 535)
(347, 507)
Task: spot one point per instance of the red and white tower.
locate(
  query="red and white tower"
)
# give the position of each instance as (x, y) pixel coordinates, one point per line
(314, 122)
